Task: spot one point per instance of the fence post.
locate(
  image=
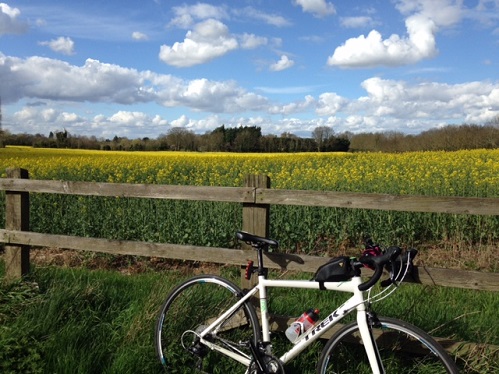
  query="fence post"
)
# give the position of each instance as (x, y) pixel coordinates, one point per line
(255, 218)
(16, 218)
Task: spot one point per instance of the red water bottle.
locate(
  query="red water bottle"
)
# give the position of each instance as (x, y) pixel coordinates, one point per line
(306, 321)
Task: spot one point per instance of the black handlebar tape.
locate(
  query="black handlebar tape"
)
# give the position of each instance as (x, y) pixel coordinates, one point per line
(378, 263)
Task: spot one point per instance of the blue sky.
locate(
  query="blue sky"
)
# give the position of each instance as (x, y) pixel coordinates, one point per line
(139, 68)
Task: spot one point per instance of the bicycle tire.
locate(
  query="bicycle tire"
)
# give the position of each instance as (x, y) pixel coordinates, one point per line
(403, 348)
(190, 306)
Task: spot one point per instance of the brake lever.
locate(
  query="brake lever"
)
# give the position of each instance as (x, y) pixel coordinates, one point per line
(398, 267)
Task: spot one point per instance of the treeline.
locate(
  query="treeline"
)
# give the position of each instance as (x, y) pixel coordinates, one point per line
(448, 138)
(222, 139)
(250, 139)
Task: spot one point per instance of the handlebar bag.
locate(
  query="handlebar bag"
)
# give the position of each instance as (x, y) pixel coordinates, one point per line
(337, 269)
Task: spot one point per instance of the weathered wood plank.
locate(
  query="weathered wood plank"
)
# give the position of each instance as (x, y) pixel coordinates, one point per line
(457, 278)
(16, 218)
(155, 191)
(432, 204)
(424, 275)
(124, 247)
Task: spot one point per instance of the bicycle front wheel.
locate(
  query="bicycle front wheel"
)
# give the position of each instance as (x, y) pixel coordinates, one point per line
(403, 348)
(188, 310)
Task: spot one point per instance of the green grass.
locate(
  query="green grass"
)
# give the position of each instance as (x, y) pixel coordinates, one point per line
(80, 321)
(75, 320)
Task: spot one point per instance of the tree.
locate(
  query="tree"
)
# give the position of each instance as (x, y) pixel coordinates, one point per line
(248, 139)
(212, 141)
(181, 139)
(62, 138)
(321, 135)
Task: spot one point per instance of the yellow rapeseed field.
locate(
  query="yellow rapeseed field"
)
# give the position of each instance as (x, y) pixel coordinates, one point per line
(309, 229)
(461, 173)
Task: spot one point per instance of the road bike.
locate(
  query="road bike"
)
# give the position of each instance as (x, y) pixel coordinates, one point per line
(207, 324)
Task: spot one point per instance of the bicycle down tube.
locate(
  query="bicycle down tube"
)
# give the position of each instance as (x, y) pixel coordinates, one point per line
(355, 302)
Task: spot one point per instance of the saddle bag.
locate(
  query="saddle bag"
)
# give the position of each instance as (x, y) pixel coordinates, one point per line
(337, 269)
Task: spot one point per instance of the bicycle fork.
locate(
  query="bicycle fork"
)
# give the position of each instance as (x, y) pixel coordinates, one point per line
(366, 320)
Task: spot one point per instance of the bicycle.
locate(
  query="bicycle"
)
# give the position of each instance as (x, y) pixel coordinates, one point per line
(208, 324)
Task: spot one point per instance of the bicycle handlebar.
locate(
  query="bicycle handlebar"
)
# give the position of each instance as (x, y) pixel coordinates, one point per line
(378, 263)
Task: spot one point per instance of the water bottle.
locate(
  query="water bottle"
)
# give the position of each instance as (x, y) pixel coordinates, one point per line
(302, 324)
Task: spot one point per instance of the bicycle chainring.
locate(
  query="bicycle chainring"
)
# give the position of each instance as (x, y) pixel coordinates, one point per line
(272, 364)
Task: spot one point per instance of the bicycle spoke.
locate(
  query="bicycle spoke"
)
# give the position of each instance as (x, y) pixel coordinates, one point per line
(188, 311)
(403, 349)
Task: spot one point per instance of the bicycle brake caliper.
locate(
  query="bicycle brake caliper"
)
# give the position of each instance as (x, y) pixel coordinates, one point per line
(373, 320)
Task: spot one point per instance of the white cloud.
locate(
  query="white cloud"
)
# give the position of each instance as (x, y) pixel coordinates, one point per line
(283, 64)
(424, 19)
(386, 105)
(9, 22)
(208, 40)
(329, 104)
(251, 41)
(438, 101)
(270, 19)
(62, 45)
(158, 121)
(374, 51)
(128, 118)
(356, 22)
(296, 107)
(443, 13)
(44, 78)
(49, 115)
(319, 8)
(67, 118)
(123, 123)
(139, 36)
(26, 114)
(187, 15)
(216, 97)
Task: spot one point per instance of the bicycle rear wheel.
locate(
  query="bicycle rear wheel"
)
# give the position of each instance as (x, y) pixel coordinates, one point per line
(188, 309)
(403, 348)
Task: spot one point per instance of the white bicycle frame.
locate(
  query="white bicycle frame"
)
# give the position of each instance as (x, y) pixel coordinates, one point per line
(356, 301)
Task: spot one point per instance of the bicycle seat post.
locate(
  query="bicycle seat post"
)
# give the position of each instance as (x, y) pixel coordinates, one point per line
(261, 269)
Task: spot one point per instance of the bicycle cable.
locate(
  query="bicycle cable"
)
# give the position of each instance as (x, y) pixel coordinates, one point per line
(394, 284)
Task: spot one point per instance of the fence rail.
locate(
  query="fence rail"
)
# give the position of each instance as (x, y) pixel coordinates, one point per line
(256, 195)
(256, 198)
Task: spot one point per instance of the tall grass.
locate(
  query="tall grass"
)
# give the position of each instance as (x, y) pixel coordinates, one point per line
(80, 321)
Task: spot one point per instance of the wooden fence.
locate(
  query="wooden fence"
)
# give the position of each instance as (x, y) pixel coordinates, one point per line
(256, 198)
